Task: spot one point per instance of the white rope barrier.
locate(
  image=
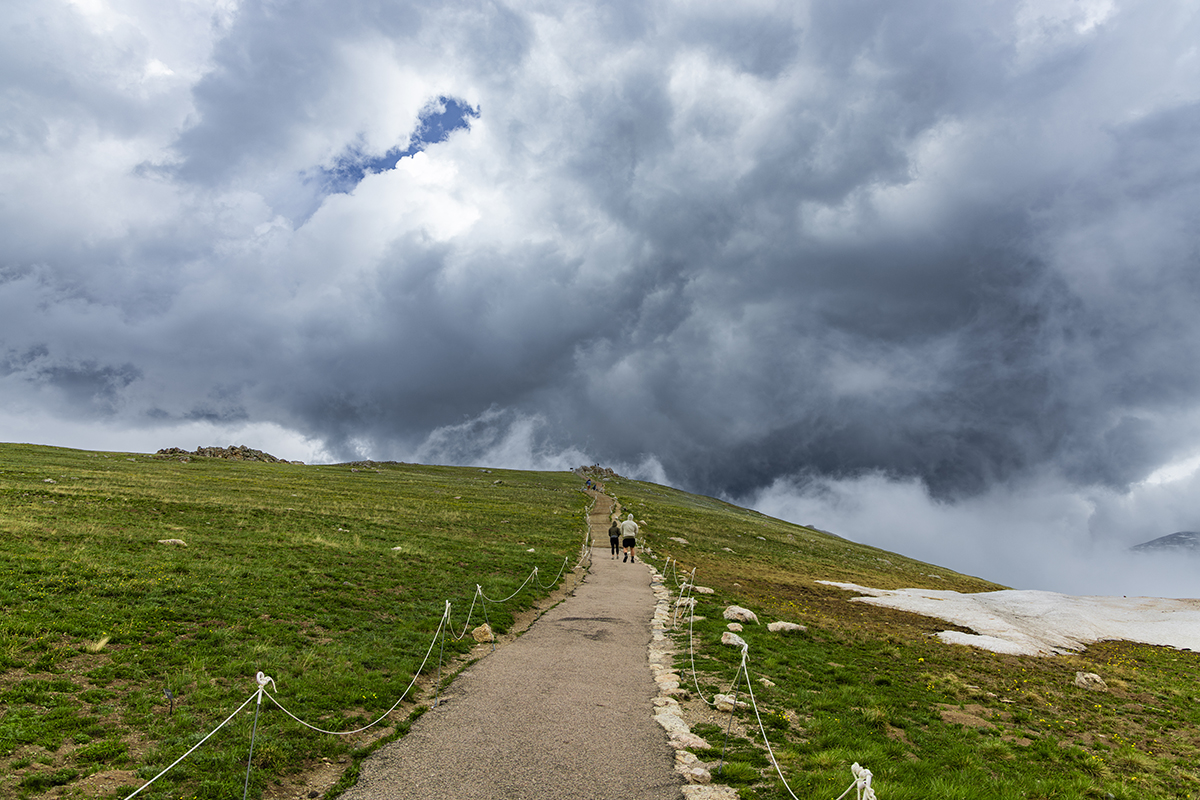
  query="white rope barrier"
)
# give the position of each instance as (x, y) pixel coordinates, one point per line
(440, 628)
(263, 680)
(514, 594)
(685, 599)
(762, 729)
(862, 775)
(673, 563)
(189, 752)
(862, 782)
(556, 577)
(470, 611)
(692, 658)
(585, 549)
(438, 635)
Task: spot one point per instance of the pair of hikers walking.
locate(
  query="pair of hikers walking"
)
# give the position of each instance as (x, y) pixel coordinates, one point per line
(627, 532)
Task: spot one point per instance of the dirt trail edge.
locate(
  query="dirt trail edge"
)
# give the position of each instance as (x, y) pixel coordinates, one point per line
(566, 710)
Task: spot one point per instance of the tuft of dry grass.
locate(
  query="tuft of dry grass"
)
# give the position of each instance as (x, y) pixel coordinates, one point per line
(98, 645)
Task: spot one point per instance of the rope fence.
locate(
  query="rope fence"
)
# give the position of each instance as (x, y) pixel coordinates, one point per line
(444, 626)
(685, 599)
(672, 564)
(862, 775)
(193, 748)
(556, 577)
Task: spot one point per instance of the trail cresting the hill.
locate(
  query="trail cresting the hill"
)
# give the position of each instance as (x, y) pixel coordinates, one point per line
(563, 711)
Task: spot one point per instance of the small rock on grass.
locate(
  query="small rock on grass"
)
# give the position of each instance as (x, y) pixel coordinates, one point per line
(732, 639)
(1090, 680)
(726, 702)
(739, 614)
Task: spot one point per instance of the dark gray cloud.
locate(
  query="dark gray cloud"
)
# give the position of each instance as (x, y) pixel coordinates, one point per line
(764, 250)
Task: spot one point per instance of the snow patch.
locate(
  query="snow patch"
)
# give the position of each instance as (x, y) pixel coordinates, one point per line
(1023, 622)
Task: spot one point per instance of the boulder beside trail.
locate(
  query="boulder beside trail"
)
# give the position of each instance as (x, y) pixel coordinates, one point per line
(695, 792)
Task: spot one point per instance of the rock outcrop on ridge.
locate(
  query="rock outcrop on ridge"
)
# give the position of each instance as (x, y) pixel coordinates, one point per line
(235, 452)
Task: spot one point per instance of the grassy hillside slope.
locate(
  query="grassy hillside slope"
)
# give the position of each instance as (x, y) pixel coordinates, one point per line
(288, 569)
(292, 570)
(868, 684)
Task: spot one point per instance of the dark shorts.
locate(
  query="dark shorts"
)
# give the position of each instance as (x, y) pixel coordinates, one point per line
(628, 542)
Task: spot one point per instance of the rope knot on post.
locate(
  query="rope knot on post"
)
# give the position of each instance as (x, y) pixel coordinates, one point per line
(862, 783)
(262, 680)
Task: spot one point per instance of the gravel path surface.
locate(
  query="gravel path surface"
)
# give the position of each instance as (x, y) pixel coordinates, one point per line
(562, 712)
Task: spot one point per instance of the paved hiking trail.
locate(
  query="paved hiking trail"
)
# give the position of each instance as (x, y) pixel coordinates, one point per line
(565, 710)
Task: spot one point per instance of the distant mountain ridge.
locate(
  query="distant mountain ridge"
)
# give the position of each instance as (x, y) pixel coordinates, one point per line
(1180, 542)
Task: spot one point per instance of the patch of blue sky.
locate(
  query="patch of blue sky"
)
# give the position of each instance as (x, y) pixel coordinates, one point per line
(436, 122)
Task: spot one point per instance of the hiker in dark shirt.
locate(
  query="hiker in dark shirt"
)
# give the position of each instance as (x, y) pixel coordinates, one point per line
(614, 535)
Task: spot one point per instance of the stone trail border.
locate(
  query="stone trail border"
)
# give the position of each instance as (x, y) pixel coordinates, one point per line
(568, 709)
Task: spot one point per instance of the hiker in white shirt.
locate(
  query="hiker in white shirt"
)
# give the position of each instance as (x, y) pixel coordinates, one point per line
(629, 531)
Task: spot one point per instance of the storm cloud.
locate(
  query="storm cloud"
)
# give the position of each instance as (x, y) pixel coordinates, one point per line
(793, 254)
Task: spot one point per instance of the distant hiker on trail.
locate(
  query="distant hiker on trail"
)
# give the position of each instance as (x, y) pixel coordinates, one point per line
(629, 530)
(614, 533)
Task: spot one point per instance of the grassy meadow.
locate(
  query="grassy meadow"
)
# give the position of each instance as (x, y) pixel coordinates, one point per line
(293, 570)
(868, 684)
(288, 569)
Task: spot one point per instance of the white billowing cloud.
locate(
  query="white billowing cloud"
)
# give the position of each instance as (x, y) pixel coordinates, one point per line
(1175, 471)
(1045, 535)
(1164, 503)
(497, 439)
(31, 426)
